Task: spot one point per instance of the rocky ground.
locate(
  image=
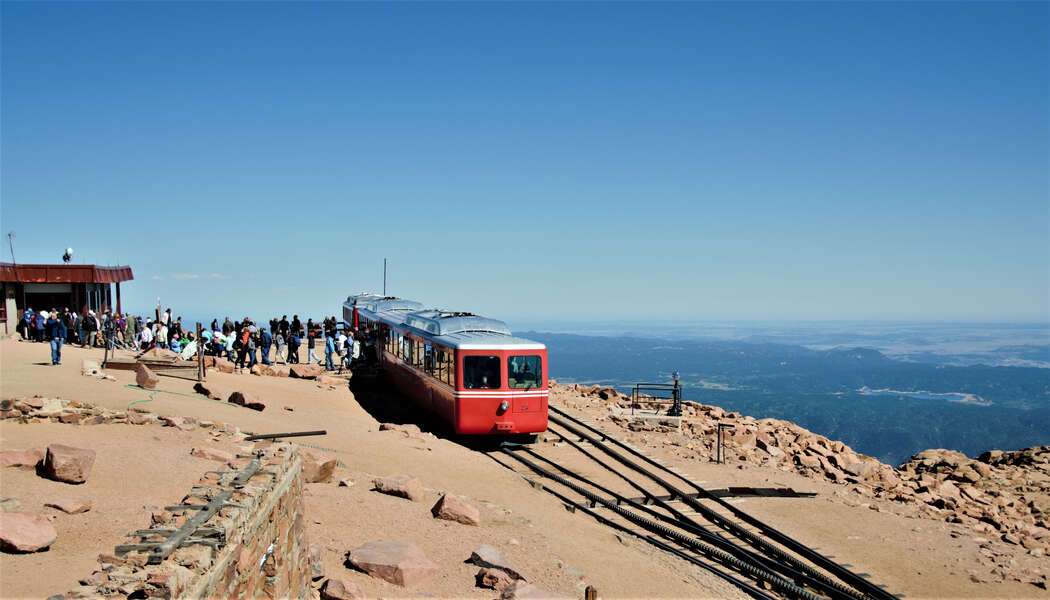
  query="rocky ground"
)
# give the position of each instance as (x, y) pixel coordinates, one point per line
(912, 533)
(1000, 500)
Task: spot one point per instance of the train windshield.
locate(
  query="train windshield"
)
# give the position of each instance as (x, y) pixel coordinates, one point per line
(481, 372)
(524, 371)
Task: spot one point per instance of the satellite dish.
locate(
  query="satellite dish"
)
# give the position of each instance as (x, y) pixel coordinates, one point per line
(68, 256)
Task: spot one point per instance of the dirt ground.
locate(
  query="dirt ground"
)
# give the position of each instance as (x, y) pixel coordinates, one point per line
(139, 466)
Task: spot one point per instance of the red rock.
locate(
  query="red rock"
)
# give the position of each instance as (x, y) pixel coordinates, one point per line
(400, 485)
(281, 370)
(495, 579)
(68, 464)
(21, 532)
(305, 371)
(69, 505)
(223, 366)
(247, 400)
(489, 557)
(453, 508)
(209, 390)
(329, 380)
(145, 378)
(36, 402)
(212, 454)
(400, 563)
(520, 590)
(409, 429)
(341, 589)
(23, 459)
(317, 466)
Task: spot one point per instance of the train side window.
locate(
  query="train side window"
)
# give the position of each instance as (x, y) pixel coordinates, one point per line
(524, 371)
(481, 372)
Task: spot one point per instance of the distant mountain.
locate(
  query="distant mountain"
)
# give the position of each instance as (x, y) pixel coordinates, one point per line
(923, 405)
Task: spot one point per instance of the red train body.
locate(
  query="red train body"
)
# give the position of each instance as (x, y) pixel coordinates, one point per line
(468, 370)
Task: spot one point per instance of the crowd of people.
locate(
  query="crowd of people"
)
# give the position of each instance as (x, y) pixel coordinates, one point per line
(243, 342)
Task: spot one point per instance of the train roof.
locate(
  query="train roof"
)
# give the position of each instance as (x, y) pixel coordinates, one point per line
(467, 331)
(464, 331)
(383, 304)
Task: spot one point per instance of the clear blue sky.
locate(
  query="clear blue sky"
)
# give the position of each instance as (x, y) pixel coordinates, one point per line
(534, 161)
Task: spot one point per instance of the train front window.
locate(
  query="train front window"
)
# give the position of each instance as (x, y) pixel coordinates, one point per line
(524, 371)
(481, 372)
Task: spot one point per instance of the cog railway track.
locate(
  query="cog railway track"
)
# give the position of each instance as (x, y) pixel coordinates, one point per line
(632, 493)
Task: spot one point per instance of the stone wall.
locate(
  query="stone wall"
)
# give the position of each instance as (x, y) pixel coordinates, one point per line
(254, 547)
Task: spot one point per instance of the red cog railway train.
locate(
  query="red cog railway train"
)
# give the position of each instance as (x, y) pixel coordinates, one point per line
(468, 370)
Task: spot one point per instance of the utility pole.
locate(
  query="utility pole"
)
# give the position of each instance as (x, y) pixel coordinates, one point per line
(384, 275)
(11, 244)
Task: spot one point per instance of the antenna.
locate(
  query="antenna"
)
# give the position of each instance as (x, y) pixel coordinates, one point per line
(384, 274)
(11, 244)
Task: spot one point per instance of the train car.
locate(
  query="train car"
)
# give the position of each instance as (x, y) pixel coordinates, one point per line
(468, 370)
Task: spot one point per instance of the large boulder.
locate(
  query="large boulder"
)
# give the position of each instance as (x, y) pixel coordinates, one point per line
(453, 508)
(247, 400)
(317, 466)
(400, 563)
(281, 370)
(23, 459)
(68, 464)
(305, 371)
(145, 378)
(400, 485)
(21, 532)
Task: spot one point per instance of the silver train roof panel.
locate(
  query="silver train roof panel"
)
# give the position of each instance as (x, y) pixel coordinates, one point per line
(437, 322)
(383, 304)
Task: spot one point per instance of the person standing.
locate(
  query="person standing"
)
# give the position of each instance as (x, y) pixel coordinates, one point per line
(38, 325)
(70, 321)
(265, 341)
(145, 337)
(279, 355)
(293, 348)
(56, 330)
(25, 324)
(297, 325)
(329, 351)
(89, 327)
(310, 343)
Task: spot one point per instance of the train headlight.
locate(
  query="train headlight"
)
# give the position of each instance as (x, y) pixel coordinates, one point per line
(503, 406)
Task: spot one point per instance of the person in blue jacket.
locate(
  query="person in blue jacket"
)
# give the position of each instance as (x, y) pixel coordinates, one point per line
(39, 325)
(56, 330)
(329, 350)
(265, 341)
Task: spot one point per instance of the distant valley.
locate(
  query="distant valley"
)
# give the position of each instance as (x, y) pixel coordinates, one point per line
(885, 407)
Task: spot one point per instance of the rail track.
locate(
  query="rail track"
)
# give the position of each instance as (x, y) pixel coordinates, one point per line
(681, 517)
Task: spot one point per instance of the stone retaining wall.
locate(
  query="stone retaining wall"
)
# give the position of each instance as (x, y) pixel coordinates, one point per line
(263, 554)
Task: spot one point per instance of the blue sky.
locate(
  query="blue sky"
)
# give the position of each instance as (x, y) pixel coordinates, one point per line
(710, 161)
